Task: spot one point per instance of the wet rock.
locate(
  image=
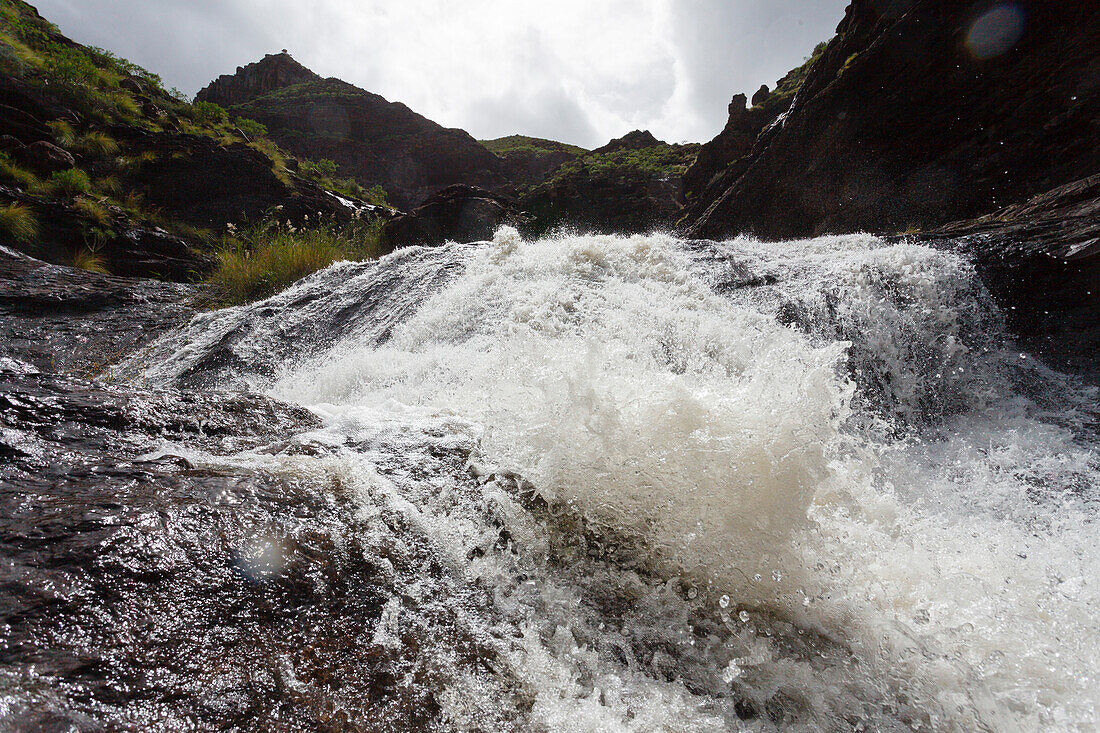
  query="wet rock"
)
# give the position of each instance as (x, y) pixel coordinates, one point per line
(456, 214)
(68, 320)
(143, 589)
(1041, 261)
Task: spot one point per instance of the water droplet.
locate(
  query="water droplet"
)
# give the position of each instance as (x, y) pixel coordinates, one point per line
(744, 616)
(777, 576)
(724, 601)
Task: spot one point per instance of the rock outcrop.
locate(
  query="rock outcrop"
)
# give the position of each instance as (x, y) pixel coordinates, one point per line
(456, 214)
(375, 141)
(918, 112)
(633, 184)
(1041, 261)
(274, 71)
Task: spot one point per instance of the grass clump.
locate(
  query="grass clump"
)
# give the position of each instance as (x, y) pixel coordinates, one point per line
(97, 143)
(90, 260)
(18, 222)
(63, 133)
(272, 256)
(93, 211)
(11, 172)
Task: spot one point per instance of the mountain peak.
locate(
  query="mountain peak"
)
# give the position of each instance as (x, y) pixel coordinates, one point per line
(636, 140)
(273, 71)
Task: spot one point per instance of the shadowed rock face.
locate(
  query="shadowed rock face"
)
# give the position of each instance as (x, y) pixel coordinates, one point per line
(274, 71)
(921, 112)
(371, 139)
(456, 214)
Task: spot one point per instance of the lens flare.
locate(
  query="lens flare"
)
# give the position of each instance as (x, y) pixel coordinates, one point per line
(996, 31)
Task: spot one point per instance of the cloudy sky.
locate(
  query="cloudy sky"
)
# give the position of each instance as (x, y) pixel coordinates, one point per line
(580, 71)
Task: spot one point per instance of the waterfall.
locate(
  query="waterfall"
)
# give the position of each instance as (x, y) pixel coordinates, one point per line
(686, 485)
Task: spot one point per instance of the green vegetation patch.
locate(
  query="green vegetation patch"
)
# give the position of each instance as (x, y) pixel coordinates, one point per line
(521, 144)
(626, 164)
(270, 257)
(18, 222)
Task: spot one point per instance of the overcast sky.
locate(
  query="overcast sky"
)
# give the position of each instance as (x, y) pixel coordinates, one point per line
(580, 71)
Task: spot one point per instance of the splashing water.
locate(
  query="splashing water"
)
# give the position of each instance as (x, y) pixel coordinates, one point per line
(804, 485)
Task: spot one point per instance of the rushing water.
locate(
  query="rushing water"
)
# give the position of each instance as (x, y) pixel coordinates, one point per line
(670, 485)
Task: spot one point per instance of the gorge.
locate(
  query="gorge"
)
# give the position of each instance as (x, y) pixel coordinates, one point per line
(647, 437)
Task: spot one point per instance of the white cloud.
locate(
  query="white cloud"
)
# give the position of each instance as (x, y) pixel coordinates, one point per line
(581, 71)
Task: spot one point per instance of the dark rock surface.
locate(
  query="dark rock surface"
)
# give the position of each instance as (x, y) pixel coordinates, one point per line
(1041, 261)
(43, 157)
(911, 119)
(154, 579)
(707, 174)
(67, 320)
(274, 71)
(455, 214)
(198, 181)
(371, 139)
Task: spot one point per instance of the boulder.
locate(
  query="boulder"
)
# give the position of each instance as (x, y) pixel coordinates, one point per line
(455, 214)
(44, 158)
(132, 85)
(761, 95)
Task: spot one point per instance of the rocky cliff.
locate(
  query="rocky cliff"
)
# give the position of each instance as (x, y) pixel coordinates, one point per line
(375, 141)
(274, 71)
(917, 113)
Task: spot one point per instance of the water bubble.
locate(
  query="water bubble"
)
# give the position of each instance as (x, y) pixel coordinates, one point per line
(744, 616)
(724, 601)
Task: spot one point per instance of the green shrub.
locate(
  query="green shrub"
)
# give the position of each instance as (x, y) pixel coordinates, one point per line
(323, 168)
(18, 222)
(72, 182)
(210, 113)
(376, 195)
(270, 257)
(251, 128)
(70, 65)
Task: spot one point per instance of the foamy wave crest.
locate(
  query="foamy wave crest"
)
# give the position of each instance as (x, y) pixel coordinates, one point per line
(618, 384)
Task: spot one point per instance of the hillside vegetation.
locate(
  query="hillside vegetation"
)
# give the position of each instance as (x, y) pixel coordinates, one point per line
(103, 167)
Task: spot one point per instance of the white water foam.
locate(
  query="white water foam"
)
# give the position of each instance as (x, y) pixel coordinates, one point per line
(775, 549)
